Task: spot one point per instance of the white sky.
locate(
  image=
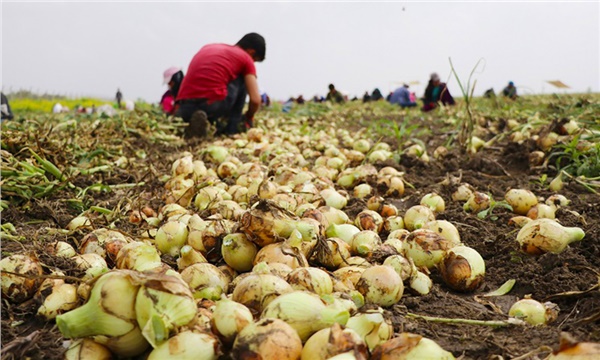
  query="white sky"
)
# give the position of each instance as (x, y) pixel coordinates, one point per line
(83, 48)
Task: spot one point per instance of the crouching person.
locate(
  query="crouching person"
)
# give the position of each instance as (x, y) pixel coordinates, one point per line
(218, 79)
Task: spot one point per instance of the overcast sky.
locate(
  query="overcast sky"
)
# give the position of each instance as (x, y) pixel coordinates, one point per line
(83, 48)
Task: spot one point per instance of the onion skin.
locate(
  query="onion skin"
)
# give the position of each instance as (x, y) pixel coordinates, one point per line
(380, 285)
(16, 288)
(407, 346)
(546, 235)
(87, 349)
(571, 349)
(332, 341)
(256, 291)
(416, 216)
(425, 247)
(463, 269)
(521, 200)
(187, 345)
(267, 339)
(529, 310)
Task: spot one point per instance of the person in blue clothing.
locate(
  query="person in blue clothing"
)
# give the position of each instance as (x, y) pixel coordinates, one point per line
(510, 91)
(401, 96)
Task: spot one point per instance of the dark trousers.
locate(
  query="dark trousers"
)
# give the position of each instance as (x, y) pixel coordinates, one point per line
(231, 108)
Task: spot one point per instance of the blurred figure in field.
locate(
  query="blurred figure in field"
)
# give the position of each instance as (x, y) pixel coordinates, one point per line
(219, 78)
(401, 96)
(5, 108)
(489, 93)
(376, 95)
(300, 100)
(265, 100)
(435, 93)
(366, 97)
(173, 76)
(334, 95)
(119, 97)
(510, 91)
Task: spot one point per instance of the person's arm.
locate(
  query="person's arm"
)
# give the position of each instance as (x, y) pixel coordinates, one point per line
(254, 94)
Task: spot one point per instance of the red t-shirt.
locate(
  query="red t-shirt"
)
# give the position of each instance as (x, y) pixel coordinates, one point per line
(212, 68)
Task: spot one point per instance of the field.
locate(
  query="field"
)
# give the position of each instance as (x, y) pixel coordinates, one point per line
(57, 167)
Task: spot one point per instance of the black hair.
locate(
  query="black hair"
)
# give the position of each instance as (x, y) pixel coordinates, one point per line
(331, 87)
(255, 42)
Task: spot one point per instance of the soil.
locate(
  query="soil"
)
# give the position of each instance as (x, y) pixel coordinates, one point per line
(494, 171)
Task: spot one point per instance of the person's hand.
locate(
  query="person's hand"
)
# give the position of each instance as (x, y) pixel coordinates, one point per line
(248, 121)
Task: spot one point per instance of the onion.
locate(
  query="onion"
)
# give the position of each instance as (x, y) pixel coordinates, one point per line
(372, 327)
(87, 349)
(228, 209)
(103, 242)
(546, 235)
(171, 237)
(267, 339)
(521, 200)
(187, 345)
(227, 169)
(365, 242)
(369, 220)
(331, 253)
(93, 264)
(463, 192)
(477, 202)
(163, 303)
(393, 223)
(256, 291)
(362, 145)
(557, 200)
(79, 223)
(344, 232)
(171, 210)
(110, 314)
(361, 191)
(356, 261)
(208, 196)
(540, 211)
(375, 203)
(305, 312)
(407, 346)
(463, 269)
(311, 279)
(445, 229)
(281, 253)
(61, 249)
(380, 285)
(188, 256)
(571, 349)
(434, 201)
(388, 210)
(205, 280)
(425, 248)
(400, 264)
(389, 171)
(20, 288)
(333, 341)
(393, 185)
(183, 165)
(349, 275)
(533, 312)
(216, 154)
(416, 216)
(229, 318)
(56, 297)
(378, 156)
(333, 198)
(420, 282)
(196, 226)
(238, 252)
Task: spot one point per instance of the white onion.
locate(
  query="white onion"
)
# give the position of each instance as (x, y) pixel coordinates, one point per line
(380, 285)
(416, 216)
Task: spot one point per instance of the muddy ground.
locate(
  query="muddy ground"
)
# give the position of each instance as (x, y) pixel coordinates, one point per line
(494, 170)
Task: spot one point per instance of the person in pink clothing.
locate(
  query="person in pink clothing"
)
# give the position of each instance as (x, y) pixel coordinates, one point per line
(173, 76)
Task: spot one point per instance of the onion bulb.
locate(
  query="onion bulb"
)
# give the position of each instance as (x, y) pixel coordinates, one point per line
(229, 318)
(407, 346)
(139, 256)
(61, 249)
(380, 285)
(20, 288)
(571, 349)
(477, 202)
(400, 264)
(463, 192)
(369, 220)
(434, 201)
(93, 264)
(205, 280)
(267, 339)
(365, 242)
(420, 282)
(445, 229)
(188, 256)
(256, 291)
(87, 349)
(425, 247)
(416, 216)
(187, 345)
(281, 253)
(533, 312)
(333, 341)
(344, 232)
(362, 191)
(521, 200)
(331, 252)
(393, 223)
(238, 252)
(311, 279)
(540, 211)
(103, 242)
(372, 327)
(171, 237)
(349, 275)
(546, 235)
(463, 269)
(56, 297)
(333, 198)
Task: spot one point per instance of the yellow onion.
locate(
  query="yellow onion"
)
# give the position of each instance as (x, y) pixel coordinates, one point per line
(229, 318)
(534, 312)
(365, 242)
(557, 200)
(281, 253)
(138, 256)
(393, 185)
(521, 200)
(239, 194)
(183, 165)
(256, 291)
(400, 264)
(216, 153)
(56, 297)
(305, 312)
(393, 223)
(209, 196)
(215, 230)
(188, 256)
(463, 192)
(267, 339)
(311, 279)
(171, 237)
(277, 269)
(407, 346)
(434, 201)
(196, 226)
(61, 249)
(546, 235)
(205, 280)
(228, 209)
(227, 169)
(171, 210)
(463, 269)
(417, 216)
(425, 247)
(333, 198)
(389, 171)
(372, 327)
(345, 232)
(362, 191)
(163, 303)
(20, 288)
(93, 264)
(380, 285)
(238, 252)
(103, 242)
(477, 202)
(420, 282)
(349, 275)
(445, 229)
(333, 341)
(540, 211)
(356, 261)
(333, 215)
(87, 349)
(267, 189)
(79, 223)
(369, 220)
(388, 210)
(187, 345)
(375, 203)
(379, 156)
(571, 349)
(362, 145)
(109, 315)
(332, 252)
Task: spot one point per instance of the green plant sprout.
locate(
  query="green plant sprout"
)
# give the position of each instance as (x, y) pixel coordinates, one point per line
(493, 204)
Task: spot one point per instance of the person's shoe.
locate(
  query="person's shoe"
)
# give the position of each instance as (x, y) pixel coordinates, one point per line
(198, 125)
